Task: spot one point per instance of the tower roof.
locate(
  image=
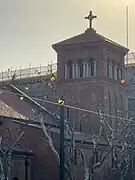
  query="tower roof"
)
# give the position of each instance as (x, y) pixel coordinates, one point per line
(89, 36)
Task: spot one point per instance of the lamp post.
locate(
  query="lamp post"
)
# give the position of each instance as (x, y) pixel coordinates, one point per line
(26, 167)
(62, 173)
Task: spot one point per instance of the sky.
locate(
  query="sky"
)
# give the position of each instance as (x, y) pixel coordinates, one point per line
(28, 28)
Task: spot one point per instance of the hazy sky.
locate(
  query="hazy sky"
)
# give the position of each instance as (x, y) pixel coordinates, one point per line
(29, 27)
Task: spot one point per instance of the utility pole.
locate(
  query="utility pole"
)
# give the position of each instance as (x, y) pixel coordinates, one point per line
(62, 156)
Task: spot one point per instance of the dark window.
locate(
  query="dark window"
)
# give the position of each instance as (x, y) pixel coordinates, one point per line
(92, 67)
(64, 72)
(70, 72)
(113, 66)
(118, 71)
(80, 62)
(108, 68)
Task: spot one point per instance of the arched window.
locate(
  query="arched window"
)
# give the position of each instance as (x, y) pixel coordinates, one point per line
(113, 69)
(80, 63)
(119, 71)
(107, 68)
(92, 67)
(70, 71)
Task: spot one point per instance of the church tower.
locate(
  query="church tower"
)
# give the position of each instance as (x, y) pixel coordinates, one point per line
(90, 69)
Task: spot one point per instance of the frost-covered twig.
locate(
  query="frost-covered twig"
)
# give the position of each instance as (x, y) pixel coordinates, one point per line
(49, 140)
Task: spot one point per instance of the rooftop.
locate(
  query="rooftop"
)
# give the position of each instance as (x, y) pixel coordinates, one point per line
(8, 111)
(89, 36)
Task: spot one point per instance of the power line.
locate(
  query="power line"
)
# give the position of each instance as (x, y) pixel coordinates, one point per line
(85, 110)
(72, 107)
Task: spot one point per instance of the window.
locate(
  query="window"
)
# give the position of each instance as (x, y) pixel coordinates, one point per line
(80, 63)
(118, 71)
(92, 67)
(85, 68)
(70, 71)
(113, 69)
(107, 68)
(65, 72)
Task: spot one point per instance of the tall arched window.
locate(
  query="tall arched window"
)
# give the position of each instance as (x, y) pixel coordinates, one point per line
(118, 71)
(70, 71)
(80, 63)
(113, 69)
(92, 67)
(107, 68)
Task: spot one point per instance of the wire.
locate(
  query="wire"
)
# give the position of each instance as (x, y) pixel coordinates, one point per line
(73, 107)
(85, 110)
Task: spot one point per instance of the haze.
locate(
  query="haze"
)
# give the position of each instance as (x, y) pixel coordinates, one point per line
(29, 27)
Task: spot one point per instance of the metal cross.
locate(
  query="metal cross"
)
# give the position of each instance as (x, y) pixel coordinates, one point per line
(90, 17)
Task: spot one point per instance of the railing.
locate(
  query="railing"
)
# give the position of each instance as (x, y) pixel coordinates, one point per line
(130, 59)
(28, 72)
(43, 70)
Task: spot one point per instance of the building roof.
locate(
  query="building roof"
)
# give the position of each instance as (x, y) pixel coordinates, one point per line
(8, 111)
(12, 106)
(89, 36)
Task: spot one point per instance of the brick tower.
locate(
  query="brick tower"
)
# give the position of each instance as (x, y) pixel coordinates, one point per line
(90, 69)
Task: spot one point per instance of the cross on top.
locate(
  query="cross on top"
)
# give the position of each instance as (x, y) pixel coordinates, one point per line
(90, 17)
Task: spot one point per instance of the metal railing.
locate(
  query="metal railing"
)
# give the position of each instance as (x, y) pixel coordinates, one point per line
(43, 70)
(130, 59)
(28, 72)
